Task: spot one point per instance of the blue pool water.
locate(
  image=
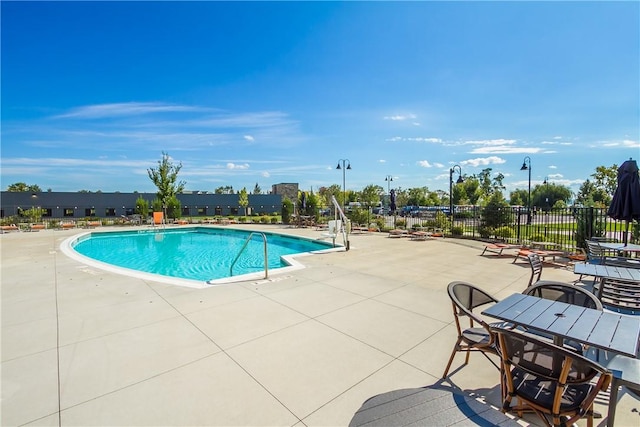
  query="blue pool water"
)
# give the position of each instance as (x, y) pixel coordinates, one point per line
(198, 253)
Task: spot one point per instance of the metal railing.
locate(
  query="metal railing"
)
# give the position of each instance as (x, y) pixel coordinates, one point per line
(266, 257)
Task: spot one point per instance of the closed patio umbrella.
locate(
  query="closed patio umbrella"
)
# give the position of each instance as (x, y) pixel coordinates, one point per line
(392, 201)
(303, 202)
(625, 205)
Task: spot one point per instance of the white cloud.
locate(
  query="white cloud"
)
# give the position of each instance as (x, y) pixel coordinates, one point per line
(556, 176)
(415, 139)
(236, 166)
(265, 174)
(493, 160)
(125, 109)
(249, 138)
(382, 161)
(400, 117)
(491, 142)
(424, 164)
(505, 150)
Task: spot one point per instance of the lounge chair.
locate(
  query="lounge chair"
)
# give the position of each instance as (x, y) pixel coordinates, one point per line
(9, 228)
(397, 232)
(498, 248)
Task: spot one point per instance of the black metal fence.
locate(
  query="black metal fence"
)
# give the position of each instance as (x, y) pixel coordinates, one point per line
(568, 227)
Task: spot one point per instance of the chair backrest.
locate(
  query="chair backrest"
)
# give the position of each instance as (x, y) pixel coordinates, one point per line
(537, 371)
(620, 295)
(595, 254)
(465, 298)
(564, 292)
(536, 267)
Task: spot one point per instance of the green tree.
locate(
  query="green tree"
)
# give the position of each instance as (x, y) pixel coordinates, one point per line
(243, 200)
(471, 186)
(257, 189)
(545, 196)
(518, 197)
(142, 207)
(227, 189)
(287, 211)
(370, 195)
(606, 178)
(417, 196)
(21, 187)
(336, 191)
(165, 178)
(489, 185)
(589, 195)
(496, 212)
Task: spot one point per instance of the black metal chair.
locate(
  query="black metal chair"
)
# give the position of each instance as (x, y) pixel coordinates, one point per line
(564, 292)
(536, 268)
(466, 297)
(567, 293)
(559, 385)
(619, 295)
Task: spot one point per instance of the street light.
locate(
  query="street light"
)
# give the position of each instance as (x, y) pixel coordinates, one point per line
(526, 165)
(389, 178)
(346, 164)
(458, 181)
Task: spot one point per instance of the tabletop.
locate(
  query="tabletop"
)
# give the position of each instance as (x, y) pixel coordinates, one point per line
(629, 247)
(428, 406)
(609, 331)
(608, 271)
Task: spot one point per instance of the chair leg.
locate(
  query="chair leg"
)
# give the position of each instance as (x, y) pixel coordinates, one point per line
(456, 348)
(613, 400)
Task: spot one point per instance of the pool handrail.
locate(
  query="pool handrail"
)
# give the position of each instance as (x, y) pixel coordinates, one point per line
(246, 242)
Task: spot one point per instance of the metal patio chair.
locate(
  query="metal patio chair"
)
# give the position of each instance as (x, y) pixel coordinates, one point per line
(466, 297)
(557, 384)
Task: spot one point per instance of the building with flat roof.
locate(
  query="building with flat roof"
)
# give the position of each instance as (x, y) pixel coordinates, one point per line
(69, 205)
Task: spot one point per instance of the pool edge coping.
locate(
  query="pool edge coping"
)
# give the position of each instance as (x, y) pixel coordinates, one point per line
(67, 249)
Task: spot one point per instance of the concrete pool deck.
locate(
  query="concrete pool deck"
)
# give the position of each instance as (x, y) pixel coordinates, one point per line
(83, 346)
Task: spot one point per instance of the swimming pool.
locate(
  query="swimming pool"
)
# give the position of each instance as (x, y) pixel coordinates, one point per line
(195, 256)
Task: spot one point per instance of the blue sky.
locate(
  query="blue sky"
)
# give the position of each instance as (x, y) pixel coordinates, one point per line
(243, 93)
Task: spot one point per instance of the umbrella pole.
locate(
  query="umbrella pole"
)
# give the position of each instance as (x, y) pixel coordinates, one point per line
(626, 233)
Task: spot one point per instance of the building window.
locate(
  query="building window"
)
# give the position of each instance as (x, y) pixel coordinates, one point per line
(47, 212)
(185, 211)
(128, 211)
(68, 212)
(202, 211)
(218, 211)
(234, 211)
(110, 212)
(89, 212)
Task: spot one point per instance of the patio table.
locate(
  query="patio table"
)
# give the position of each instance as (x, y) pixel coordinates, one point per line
(629, 247)
(614, 332)
(428, 406)
(607, 271)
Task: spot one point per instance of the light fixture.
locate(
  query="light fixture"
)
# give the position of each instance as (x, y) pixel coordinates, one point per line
(526, 166)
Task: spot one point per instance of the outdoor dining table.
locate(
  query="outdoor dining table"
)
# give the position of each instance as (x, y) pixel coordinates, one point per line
(613, 332)
(617, 333)
(621, 247)
(629, 247)
(607, 271)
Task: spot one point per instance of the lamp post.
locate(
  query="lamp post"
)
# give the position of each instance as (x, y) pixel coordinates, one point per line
(458, 181)
(389, 178)
(526, 165)
(346, 164)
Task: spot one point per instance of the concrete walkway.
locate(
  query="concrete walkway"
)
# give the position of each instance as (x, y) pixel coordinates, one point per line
(82, 346)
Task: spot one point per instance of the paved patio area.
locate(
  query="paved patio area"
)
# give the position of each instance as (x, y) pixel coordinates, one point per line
(82, 346)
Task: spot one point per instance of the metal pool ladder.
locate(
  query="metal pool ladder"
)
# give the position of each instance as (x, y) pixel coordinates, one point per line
(266, 258)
